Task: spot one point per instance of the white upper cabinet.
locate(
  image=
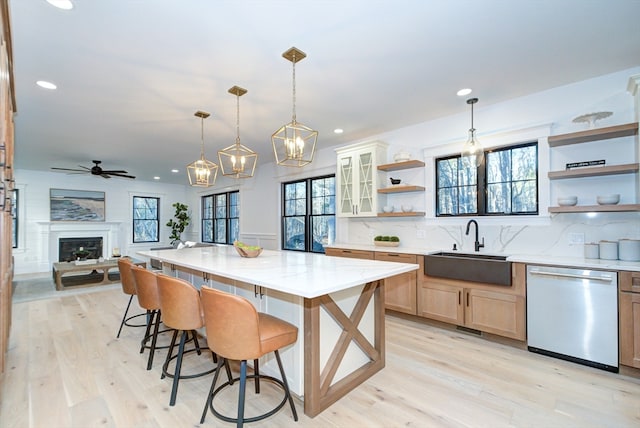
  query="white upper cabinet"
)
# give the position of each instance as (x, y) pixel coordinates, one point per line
(358, 179)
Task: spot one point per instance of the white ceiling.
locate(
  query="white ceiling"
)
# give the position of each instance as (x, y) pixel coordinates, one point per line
(132, 73)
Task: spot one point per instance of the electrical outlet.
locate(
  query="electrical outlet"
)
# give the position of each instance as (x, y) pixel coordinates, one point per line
(421, 234)
(576, 238)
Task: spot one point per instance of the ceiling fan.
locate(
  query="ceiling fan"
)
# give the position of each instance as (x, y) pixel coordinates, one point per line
(96, 170)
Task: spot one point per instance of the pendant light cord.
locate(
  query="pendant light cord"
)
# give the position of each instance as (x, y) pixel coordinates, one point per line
(294, 88)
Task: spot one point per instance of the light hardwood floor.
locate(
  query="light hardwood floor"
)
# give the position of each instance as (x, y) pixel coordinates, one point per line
(67, 369)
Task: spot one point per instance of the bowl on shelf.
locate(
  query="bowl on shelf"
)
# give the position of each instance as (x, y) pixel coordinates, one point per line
(387, 209)
(407, 208)
(608, 199)
(567, 201)
(401, 157)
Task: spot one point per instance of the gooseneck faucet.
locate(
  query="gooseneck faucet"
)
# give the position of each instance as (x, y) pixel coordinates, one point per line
(477, 244)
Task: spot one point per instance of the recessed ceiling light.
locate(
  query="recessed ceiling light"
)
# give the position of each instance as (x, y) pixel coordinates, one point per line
(463, 92)
(156, 178)
(175, 171)
(46, 85)
(338, 131)
(61, 4)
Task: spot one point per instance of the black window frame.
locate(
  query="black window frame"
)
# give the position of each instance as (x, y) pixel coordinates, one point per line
(481, 185)
(155, 219)
(232, 215)
(309, 246)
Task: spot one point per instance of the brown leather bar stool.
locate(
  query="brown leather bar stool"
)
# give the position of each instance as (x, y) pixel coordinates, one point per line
(182, 311)
(147, 291)
(236, 331)
(128, 287)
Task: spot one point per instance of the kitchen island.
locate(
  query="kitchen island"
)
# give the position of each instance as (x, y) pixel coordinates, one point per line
(336, 303)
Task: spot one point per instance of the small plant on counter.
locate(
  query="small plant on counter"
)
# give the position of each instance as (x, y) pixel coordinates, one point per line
(381, 238)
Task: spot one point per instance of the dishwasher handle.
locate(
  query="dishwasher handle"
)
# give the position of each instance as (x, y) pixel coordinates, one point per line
(603, 278)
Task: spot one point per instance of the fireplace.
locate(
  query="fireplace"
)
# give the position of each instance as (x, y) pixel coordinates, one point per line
(68, 246)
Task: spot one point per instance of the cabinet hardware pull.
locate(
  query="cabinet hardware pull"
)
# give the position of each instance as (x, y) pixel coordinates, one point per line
(467, 299)
(459, 297)
(255, 290)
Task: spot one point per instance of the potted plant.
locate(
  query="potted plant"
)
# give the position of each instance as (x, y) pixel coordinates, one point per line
(386, 241)
(181, 221)
(81, 253)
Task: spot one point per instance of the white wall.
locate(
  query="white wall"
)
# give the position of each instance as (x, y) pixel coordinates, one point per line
(544, 113)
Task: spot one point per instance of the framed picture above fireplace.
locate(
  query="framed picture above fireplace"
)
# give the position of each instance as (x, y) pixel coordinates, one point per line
(76, 205)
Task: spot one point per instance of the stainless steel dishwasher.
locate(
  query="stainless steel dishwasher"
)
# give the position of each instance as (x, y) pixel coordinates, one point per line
(573, 314)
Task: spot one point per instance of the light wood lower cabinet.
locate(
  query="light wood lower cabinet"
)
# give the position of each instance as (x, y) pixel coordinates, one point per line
(400, 291)
(492, 309)
(629, 318)
(354, 254)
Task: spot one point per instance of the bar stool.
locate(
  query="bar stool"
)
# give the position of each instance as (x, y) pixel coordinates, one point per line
(128, 287)
(236, 331)
(147, 291)
(182, 311)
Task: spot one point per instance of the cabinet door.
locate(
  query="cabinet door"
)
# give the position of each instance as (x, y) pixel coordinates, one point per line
(367, 190)
(346, 200)
(497, 313)
(441, 302)
(251, 292)
(400, 290)
(630, 329)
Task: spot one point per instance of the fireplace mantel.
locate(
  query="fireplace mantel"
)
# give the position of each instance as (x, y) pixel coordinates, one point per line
(52, 231)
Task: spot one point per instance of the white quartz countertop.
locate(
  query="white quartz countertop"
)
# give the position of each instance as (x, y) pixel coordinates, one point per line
(551, 260)
(301, 274)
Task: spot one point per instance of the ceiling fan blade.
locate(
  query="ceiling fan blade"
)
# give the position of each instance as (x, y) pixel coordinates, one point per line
(69, 169)
(103, 175)
(122, 175)
(114, 171)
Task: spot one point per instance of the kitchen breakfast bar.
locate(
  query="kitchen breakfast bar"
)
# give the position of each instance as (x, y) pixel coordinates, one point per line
(336, 303)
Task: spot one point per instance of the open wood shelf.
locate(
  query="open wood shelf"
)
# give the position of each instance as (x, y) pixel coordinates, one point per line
(593, 135)
(399, 189)
(396, 166)
(595, 171)
(595, 208)
(403, 214)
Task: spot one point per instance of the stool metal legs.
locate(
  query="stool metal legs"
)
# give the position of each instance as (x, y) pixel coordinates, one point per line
(125, 319)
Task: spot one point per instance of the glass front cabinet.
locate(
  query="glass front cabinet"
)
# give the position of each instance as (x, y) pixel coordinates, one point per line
(357, 178)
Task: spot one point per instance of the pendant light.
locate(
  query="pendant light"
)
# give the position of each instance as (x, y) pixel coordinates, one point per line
(202, 172)
(294, 144)
(473, 148)
(237, 160)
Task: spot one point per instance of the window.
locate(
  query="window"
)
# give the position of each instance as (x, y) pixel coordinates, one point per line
(221, 217)
(309, 208)
(146, 219)
(505, 184)
(14, 218)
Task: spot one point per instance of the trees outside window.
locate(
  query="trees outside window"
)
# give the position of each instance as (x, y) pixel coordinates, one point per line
(308, 220)
(221, 217)
(146, 219)
(506, 183)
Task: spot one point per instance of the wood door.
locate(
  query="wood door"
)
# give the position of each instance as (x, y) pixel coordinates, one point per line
(630, 329)
(494, 312)
(441, 302)
(401, 290)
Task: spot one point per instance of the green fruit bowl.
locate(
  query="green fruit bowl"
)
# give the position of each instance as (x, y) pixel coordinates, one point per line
(247, 251)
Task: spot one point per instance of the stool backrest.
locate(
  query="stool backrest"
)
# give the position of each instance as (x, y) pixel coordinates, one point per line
(126, 277)
(232, 325)
(146, 287)
(179, 303)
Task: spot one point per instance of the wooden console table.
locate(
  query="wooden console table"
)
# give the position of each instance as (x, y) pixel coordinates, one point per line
(63, 268)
